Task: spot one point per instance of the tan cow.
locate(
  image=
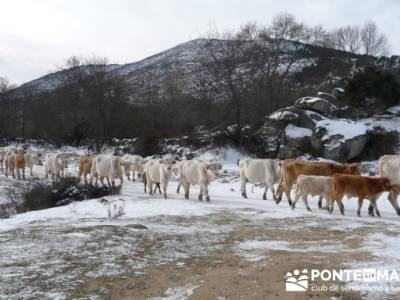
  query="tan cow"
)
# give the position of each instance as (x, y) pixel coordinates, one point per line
(291, 169)
(85, 167)
(15, 160)
(362, 187)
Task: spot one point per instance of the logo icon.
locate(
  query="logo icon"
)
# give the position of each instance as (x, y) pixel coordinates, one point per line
(297, 281)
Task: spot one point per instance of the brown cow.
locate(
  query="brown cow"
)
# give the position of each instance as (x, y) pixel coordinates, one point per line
(291, 169)
(145, 184)
(15, 160)
(362, 187)
(85, 166)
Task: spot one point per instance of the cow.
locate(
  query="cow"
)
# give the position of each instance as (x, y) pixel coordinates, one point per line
(15, 161)
(159, 170)
(389, 166)
(362, 187)
(85, 167)
(315, 186)
(292, 168)
(54, 165)
(133, 163)
(32, 159)
(145, 184)
(266, 171)
(202, 173)
(107, 166)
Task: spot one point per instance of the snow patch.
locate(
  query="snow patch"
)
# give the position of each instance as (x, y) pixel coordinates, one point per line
(297, 132)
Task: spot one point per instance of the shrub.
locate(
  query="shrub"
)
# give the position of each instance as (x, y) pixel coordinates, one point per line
(36, 196)
(372, 85)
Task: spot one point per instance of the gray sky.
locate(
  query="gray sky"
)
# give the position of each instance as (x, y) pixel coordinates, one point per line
(36, 36)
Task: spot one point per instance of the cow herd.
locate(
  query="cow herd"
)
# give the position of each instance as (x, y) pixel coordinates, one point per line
(329, 181)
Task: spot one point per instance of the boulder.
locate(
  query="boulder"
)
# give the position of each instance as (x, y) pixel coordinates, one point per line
(296, 116)
(316, 104)
(295, 141)
(339, 139)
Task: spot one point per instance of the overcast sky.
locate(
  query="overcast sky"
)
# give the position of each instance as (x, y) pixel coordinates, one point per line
(36, 36)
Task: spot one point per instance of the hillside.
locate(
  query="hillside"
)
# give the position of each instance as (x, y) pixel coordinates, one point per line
(317, 68)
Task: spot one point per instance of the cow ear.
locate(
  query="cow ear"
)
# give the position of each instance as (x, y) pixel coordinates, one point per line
(161, 161)
(207, 167)
(173, 162)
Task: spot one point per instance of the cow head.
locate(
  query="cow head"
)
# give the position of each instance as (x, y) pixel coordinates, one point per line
(213, 168)
(352, 169)
(167, 164)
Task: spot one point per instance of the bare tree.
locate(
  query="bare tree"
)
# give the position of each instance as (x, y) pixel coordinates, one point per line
(372, 41)
(5, 85)
(346, 38)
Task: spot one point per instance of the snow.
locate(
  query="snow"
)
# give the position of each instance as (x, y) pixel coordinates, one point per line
(346, 128)
(286, 115)
(297, 132)
(178, 293)
(394, 109)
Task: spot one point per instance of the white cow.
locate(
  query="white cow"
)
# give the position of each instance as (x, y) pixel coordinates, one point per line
(159, 170)
(315, 186)
(389, 166)
(55, 164)
(266, 171)
(31, 159)
(107, 166)
(133, 163)
(202, 173)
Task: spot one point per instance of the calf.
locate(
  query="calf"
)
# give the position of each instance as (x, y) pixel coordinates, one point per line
(362, 187)
(159, 170)
(107, 166)
(315, 186)
(54, 165)
(201, 173)
(85, 167)
(266, 171)
(291, 169)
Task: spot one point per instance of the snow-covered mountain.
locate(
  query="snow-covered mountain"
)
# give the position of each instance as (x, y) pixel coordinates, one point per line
(320, 67)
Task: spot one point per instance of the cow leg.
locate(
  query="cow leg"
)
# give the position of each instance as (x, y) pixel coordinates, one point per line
(306, 202)
(178, 188)
(360, 203)
(340, 204)
(393, 201)
(371, 210)
(243, 182)
(23, 173)
(150, 187)
(320, 202)
(164, 188)
(288, 197)
(205, 191)
(31, 169)
(265, 193)
(273, 191)
(201, 194)
(375, 205)
(296, 198)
